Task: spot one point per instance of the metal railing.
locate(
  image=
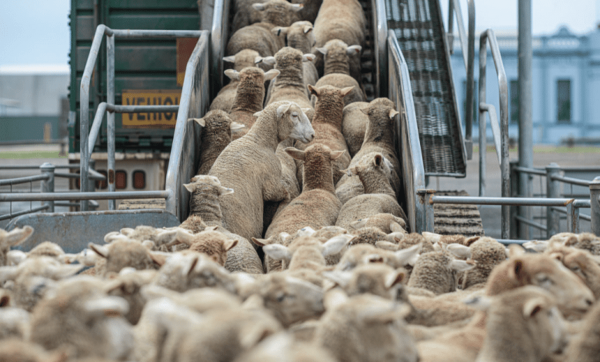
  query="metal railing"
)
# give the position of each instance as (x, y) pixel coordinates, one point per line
(467, 44)
(46, 178)
(86, 144)
(553, 179)
(380, 35)
(218, 43)
(407, 131)
(500, 131)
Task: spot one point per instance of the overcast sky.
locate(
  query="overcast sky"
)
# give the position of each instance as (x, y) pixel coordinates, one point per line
(36, 32)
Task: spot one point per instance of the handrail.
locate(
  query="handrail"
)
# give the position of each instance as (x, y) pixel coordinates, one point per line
(486, 36)
(218, 43)
(571, 180)
(380, 34)
(23, 180)
(467, 43)
(413, 170)
(105, 195)
(84, 97)
(186, 139)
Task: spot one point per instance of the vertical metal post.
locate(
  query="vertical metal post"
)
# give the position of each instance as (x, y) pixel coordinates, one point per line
(470, 82)
(552, 191)
(429, 212)
(91, 183)
(450, 33)
(482, 118)
(572, 218)
(595, 201)
(525, 53)
(110, 117)
(514, 192)
(48, 185)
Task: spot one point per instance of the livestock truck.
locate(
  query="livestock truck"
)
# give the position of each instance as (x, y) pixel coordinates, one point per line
(140, 70)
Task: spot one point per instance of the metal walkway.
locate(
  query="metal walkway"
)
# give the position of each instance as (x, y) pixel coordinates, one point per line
(420, 32)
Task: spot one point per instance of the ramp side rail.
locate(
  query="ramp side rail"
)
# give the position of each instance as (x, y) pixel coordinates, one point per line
(407, 131)
(86, 147)
(467, 44)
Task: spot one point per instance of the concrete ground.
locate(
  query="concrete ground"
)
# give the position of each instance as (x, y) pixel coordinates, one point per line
(38, 154)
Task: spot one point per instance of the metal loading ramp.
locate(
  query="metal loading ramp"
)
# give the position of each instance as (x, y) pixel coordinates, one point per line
(419, 29)
(451, 219)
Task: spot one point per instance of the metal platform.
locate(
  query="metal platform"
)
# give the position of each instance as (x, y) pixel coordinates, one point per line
(420, 32)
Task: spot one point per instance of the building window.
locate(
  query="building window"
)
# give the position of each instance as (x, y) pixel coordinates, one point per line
(475, 108)
(514, 101)
(563, 100)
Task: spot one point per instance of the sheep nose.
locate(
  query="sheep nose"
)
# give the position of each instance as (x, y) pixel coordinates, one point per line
(312, 136)
(589, 302)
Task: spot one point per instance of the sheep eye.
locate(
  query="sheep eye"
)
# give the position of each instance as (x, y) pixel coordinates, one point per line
(281, 297)
(295, 114)
(575, 268)
(545, 281)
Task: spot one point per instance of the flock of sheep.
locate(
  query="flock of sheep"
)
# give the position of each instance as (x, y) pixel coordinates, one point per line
(296, 248)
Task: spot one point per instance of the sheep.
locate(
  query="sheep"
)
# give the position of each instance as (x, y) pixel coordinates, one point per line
(280, 13)
(581, 262)
(213, 244)
(343, 20)
(33, 277)
(360, 254)
(289, 84)
(387, 223)
(366, 328)
(327, 123)
(275, 347)
(200, 300)
(584, 346)
(300, 36)
(436, 272)
(224, 99)
(354, 126)
(12, 238)
(121, 254)
(486, 253)
(407, 241)
(317, 205)
(307, 252)
(342, 81)
(290, 300)
(271, 265)
(379, 139)
(45, 248)
(377, 279)
(14, 323)
(249, 96)
(80, 316)
(258, 36)
(585, 241)
(342, 65)
(128, 285)
(15, 350)
(379, 196)
(249, 166)
(217, 128)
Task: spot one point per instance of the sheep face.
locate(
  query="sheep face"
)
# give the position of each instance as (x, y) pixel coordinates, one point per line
(290, 299)
(122, 254)
(299, 35)
(573, 297)
(580, 262)
(242, 59)
(338, 54)
(278, 12)
(292, 119)
(211, 243)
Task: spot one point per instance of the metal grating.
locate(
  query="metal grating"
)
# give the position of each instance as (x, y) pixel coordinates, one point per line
(420, 33)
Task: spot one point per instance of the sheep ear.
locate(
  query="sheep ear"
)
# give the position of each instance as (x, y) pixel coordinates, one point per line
(281, 110)
(460, 251)
(431, 237)
(271, 74)
(322, 50)
(16, 236)
(225, 191)
(65, 271)
(386, 245)
(266, 60)
(200, 121)
(479, 302)
(278, 31)
(313, 90)
(461, 265)
(101, 250)
(340, 278)
(471, 240)
(336, 154)
(232, 74)
(394, 278)
(190, 187)
(354, 49)
(308, 29)
(346, 90)
(185, 237)
(277, 252)
(234, 126)
(7, 273)
(515, 251)
(259, 6)
(409, 255)
(257, 114)
(261, 242)
(308, 57)
(253, 333)
(393, 113)
(296, 154)
(283, 236)
(211, 228)
(229, 59)
(378, 160)
(107, 306)
(112, 236)
(397, 228)
(533, 306)
(230, 244)
(297, 7)
(336, 244)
